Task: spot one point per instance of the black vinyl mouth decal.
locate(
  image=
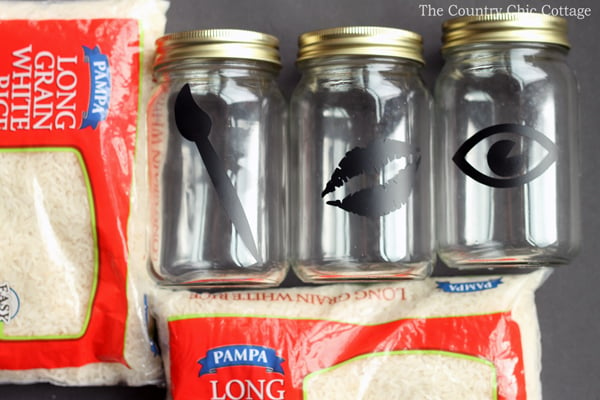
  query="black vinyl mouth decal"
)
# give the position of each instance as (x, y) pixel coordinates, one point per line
(379, 199)
(508, 158)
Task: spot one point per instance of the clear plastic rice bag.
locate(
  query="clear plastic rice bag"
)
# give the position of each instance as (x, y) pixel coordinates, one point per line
(74, 80)
(441, 338)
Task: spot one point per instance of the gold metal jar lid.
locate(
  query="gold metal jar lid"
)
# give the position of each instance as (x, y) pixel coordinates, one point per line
(505, 27)
(216, 44)
(361, 40)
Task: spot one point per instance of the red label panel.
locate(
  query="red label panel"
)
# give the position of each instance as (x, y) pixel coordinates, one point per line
(256, 358)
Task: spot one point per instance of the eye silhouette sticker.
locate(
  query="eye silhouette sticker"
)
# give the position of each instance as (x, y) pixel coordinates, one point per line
(377, 161)
(505, 155)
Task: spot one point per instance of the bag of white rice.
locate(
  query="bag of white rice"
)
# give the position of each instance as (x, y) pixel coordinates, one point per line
(74, 80)
(468, 338)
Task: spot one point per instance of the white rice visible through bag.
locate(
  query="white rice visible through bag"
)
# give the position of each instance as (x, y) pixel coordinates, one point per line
(48, 247)
(416, 375)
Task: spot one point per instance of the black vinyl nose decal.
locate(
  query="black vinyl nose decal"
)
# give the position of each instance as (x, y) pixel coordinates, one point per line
(381, 199)
(509, 158)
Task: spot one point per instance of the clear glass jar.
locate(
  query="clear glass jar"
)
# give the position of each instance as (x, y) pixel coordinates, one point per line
(361, 201)
(217, 161)
(506, 143)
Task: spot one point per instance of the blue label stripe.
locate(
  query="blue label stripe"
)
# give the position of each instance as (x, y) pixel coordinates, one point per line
(17, 305)
(100, 87)
(467, 287)
(238, 355)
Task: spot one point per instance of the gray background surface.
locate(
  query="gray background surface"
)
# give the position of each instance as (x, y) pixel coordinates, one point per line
(569, 302)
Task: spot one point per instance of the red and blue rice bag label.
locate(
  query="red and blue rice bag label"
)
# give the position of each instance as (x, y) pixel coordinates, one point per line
(75, 84)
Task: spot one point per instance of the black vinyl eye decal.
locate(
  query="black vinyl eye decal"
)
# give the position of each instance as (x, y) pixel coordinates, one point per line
(380, 199)
(507, 158)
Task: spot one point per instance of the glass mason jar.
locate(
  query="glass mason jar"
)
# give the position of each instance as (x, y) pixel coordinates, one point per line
(217, 161)
(506, 147)
(360, 124)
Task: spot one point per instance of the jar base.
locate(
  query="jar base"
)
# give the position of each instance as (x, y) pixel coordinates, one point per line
(340, 271)
(233, 277)
(506, 259)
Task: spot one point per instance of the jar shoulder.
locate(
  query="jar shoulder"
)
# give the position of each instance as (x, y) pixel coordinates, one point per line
(527, 67)
(339, 88)
(499, 78)
(230, 90)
